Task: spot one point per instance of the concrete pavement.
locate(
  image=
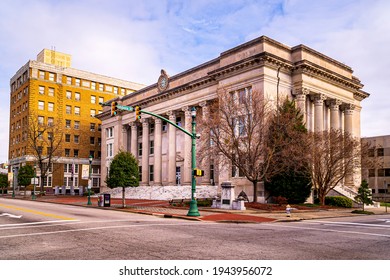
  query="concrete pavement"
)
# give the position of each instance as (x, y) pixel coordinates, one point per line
(164, 209)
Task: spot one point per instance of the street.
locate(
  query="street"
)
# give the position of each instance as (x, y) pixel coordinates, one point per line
(31, 230)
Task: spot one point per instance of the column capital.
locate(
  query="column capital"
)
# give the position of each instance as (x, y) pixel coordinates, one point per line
(301, 91)
(133, 124)
(145, 122)
(318, 99)
(171, 115)
(157, 120)
(204, 103)
(348, 108)
(334, 104)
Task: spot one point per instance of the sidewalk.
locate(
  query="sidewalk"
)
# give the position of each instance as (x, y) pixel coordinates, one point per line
(164, 209)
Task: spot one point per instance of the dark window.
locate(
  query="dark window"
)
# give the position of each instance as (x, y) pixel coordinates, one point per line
(380, 152)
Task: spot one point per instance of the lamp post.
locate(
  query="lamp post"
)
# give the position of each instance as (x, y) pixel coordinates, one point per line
(193, 204)
(89, 181)
(13, 183)
(33, 197)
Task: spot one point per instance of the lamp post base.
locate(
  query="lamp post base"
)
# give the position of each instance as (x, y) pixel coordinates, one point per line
(193, 212)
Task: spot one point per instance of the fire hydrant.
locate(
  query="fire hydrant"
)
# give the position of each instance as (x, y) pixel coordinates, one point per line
(288, 210)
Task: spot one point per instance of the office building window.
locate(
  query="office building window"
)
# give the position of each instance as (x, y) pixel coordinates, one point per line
(101, 87)
(41, 120)
(67, 152)
(51, 77)
(68, 94)
(93, 99)
(76, 124)
(76, 139)
(92, 127)
(51, 91)
(77, 110)
(93, 85)
(101, 100)
(67, 138)
(93, 112)
(77, 82)
(76, 153)
(139, 149)
(77, 96)
(50, 121)
(69, 80)
(41, 105)
(50, 106)
(68, 123)
(41, 74)
(92, 140)
(41, 90)
(68, 109)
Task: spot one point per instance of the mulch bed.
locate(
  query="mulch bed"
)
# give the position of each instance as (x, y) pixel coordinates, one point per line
(236, 218)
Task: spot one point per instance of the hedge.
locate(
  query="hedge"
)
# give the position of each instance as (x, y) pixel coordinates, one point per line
(339, 201)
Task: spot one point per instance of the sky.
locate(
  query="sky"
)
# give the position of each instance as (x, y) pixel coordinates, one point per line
(134, 39)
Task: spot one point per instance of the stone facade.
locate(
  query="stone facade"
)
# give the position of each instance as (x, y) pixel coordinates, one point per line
(379, 178)
(325, 90)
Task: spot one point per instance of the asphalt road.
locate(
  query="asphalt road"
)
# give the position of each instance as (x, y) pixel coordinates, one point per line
(31, 230)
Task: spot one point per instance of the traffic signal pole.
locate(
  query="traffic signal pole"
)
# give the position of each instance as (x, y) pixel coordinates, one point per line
(193, 211)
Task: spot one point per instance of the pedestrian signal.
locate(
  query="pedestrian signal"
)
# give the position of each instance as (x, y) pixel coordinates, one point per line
(198, 172)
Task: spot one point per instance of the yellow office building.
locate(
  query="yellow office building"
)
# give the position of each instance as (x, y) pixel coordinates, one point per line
(49, 92)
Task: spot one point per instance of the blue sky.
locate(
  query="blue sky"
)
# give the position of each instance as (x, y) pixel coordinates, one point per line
(133, 40)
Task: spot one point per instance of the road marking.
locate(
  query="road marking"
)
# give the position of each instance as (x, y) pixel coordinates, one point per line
(328, 230)
(11, 216)
(36, 212)
(44, 223)
(384, 220)
(89, 229)
(348, 224)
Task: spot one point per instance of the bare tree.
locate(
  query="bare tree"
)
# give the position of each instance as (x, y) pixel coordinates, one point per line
(45, 139)
(333, 156)
(239, 125)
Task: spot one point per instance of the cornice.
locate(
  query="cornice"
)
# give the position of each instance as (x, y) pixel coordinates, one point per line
(360, 95)
(257, 60)
(307, 67)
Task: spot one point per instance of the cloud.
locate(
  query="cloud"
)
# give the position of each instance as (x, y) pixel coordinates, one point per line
(133, 40)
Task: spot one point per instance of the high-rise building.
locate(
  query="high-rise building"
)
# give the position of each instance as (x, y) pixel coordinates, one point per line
(48, 92)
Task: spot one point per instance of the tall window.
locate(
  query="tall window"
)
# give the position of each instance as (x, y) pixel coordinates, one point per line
(41, 90)
(68, 109)
(77, 96)
(67, 123)
(110, 132)
(151, 172)
(51, 77)
(77, 110)
(41, 119)
(50, 121)
(50, 106)
(93, 112)
(41, 105)
(110, 151)
(76, 139)
(51, 91)
(93, 99)
(151, 147)
(76, 124)
(68, 94)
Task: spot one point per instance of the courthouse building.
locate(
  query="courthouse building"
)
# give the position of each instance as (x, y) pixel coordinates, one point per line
(324, 89)
(48, 91)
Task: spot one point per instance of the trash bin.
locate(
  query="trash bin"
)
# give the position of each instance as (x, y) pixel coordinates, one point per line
(106, 200)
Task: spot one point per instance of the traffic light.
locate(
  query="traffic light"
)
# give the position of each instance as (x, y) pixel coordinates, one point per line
(137, 113)
(198, 172)
(114, 108)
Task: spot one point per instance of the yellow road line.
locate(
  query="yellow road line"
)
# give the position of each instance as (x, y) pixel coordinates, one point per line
(36, 212)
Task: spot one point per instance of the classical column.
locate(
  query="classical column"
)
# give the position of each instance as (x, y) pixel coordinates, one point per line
(348, 118)
(335, 114)
(124, 144)
(187, 170)
(205, 138)
(172, 150)
(348, 129)
(157, 152)
(319, 112)
(145, 152)
(134, 139)
(300, 99)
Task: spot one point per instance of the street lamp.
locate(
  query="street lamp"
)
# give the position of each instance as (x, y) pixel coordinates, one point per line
(89, 181)
(33, 197)
(13, 183)
(193, 204)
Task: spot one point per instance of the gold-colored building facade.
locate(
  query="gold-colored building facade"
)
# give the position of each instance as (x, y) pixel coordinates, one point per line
(50, 92)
